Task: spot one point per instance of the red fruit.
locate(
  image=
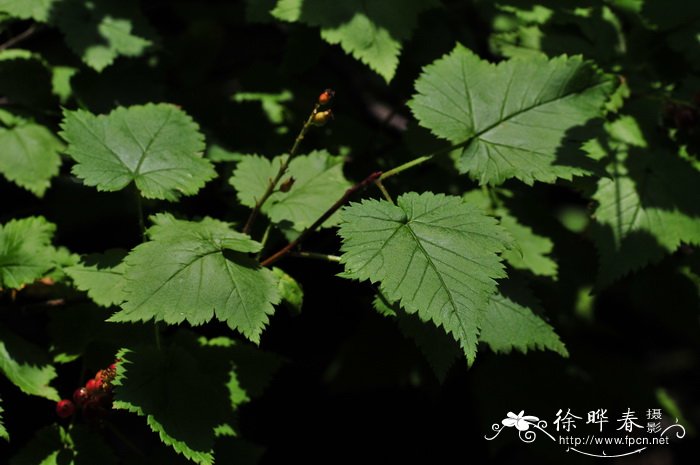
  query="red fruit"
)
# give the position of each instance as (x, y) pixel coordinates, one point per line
(326, 97)
(80, 396)
(113, 367)
(100, 377)
(65, 408)
(92, 386)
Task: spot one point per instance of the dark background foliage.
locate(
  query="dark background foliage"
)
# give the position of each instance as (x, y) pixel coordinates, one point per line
(351, 385)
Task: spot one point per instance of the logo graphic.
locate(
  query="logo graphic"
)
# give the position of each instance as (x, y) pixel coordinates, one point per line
(624, 441)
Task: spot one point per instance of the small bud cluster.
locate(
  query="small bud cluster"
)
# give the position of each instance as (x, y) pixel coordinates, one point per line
(94, 399)
(320, 118)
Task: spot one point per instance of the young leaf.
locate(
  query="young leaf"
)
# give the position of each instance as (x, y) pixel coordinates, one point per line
(27, 9)
(194, 271)
(26, 252)
(507, 324)
(646, 207)
(101, 276)
(318, 183)
(432, 253)
(372, 30)
(99, 32)
(178, 399)
(514, 119)
(30, 156)
(158, 147)
(26, 366)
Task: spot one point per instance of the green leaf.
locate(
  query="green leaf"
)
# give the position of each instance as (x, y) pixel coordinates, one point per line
(318, 184)
(30, 156)
(509, 324)
(26, 253)
(290, 290)
(3, 432)
(100, 31)
(372, 31)
(432, 253)
(27, 9)
(178, 399)
(646, 207)
(530, 251)
(518, 118)
(197, 271)
(252, 175)
(158, 147)
(26, 366)
(101, 276)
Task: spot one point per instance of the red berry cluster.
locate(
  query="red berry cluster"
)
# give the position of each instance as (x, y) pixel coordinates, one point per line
(94, 399)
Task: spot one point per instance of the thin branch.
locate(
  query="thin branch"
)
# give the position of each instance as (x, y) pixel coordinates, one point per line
(335, 207)
(383, 190)
(316, 255)
(423, 159)
(283, 169)
(20, 37)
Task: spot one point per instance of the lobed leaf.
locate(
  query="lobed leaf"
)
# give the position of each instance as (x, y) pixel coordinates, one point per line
(26, 253)
(318, 184)
(195, 271)
(179, 400)
(372, 31)
(26, 366)
(432, 253)
(515, 119)
(30, 156)
(156, 146)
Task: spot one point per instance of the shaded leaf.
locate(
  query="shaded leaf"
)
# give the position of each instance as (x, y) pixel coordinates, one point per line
(372, 31)
(26, 253)
(178, 399)
(101, 276)
(646, 206)
(30, 156)
(509, 324)
(27, 9)
(26, 366)
(100, 31)
(318, 184)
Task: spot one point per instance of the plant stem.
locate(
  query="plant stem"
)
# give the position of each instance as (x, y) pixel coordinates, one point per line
(317, 256)
(339, 203)
(283, 169)
(20, 37)
(385, 192)
(421, 160)
(263, 241)
(139, 212)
